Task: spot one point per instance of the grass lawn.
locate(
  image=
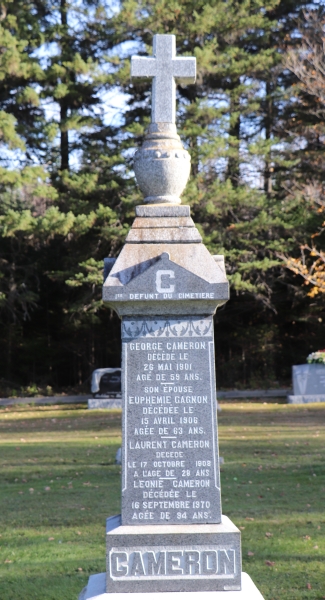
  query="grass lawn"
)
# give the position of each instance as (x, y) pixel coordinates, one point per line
(59, 483)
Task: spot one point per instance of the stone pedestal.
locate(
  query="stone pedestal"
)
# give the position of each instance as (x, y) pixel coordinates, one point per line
(95, 590)
(171, 536)
(174, 558)
(166, 286)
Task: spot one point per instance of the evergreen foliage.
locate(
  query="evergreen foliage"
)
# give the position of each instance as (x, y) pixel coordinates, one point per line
(308, 64)
(68, 194)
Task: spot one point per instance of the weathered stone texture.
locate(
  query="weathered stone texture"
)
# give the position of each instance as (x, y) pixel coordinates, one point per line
(162, 210)
(172, 557)
(164, 67)
(170, 462)
(308, 379)
(165, 269)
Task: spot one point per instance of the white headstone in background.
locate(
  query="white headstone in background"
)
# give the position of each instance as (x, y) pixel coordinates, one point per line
(308, 384)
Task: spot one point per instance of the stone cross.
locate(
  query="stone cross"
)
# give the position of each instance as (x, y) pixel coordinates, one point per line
(166, 69)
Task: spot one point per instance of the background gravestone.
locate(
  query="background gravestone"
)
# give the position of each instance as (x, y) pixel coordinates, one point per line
(308, 384)
(106, 388)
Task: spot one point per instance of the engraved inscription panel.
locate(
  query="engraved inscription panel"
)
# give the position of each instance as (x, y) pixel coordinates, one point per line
(170, 470)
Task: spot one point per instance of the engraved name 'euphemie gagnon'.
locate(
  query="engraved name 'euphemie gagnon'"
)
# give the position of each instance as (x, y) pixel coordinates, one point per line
(170, 467)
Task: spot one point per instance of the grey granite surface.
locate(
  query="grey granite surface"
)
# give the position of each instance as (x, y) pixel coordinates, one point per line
(95, 403)
(166, 287)
(95, 590)
(177, 234)
(162, 210)
(165, 68)
(162, 165)
(170, 447)
(306, 399)
(165, 269)
(308, 379)
(171, 558)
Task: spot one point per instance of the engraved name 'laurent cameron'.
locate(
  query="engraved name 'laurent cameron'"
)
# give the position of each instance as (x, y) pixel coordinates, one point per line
(159, 444)
(157, 564)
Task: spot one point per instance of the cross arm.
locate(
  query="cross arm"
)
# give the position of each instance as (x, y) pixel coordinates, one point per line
(143, 66)
(184, 69)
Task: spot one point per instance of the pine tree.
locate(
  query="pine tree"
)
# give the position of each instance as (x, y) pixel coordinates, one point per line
(70, 201)
(308, 63)
(59, 218)
(230, 121)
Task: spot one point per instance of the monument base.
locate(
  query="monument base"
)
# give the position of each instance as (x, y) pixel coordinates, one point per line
(172, 558)
(306, 399)
(95, 590)
(105, 403)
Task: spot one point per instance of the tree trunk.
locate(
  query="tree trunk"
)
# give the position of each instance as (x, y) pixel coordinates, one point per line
(64, 146)
(268, 130)
(233, 168)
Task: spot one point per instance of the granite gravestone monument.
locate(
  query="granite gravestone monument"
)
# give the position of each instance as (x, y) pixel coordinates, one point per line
(308, 384)
(171, 535)
(105, 388)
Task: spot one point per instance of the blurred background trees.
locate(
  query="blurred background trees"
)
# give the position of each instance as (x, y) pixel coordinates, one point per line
(307, 62)
(70, 121)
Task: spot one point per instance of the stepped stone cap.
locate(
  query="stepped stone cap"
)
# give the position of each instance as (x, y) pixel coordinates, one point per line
(162, 165)
(165, 268)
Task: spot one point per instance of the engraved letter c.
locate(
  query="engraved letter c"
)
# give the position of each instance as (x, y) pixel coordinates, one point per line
(118, 569)
(159, 283)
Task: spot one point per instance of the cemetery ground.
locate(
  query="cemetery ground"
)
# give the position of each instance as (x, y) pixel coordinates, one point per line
(59, 482)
